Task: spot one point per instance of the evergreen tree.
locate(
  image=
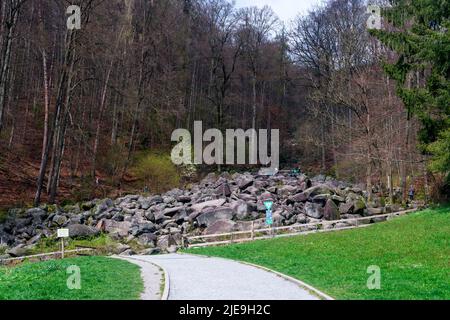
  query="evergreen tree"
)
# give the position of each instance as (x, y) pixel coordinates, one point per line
(418, 33)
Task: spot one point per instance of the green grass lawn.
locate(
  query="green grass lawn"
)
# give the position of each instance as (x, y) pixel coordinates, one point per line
(101, 279)
(413, 253)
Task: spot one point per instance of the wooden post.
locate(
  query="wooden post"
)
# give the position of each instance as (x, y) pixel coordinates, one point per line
(62, 248)
(232, 237)
(182, 242)
(253, 230)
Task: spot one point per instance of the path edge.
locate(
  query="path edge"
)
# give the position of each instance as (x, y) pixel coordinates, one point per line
(166, 291)
(304, 285)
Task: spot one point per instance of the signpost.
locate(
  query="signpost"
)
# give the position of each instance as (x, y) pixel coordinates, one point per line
(269, 219)
(63, 233)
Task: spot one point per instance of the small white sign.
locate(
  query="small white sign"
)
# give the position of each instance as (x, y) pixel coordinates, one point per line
(63, 233)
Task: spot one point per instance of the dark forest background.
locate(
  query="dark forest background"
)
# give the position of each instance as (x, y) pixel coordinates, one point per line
(89, 113)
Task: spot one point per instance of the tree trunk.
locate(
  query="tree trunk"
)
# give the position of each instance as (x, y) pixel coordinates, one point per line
(6, 58)
(46, 105)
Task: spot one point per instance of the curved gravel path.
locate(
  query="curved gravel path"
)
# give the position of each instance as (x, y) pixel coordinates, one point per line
(202, 278)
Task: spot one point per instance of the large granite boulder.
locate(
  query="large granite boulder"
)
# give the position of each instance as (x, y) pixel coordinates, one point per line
(82, 231)
(211, 216)
(221, 226)
(331, 211)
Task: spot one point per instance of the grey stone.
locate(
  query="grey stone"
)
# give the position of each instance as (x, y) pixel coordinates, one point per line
(18, 251)
(120, 228)
(128, 252)
(149, 215)
(241, 209)
(120, 248)
(346, 208)
(103, 206)
(36, 213)
(331, 211)
(35, 239)
(82, 231)
(221, 226)
(165, 241)
(287, 190)
(59, 220)
(313, 210)
(299, 197)
(145, 203)
(206, 204)
(147, 239)
(172, 249)
(146, 228)
(301, 218)
(375, 211)
(170, 212)
(223, 190)
(245, 183)
(184, 199)
(150, 251)
(211, 216)
(160, 217)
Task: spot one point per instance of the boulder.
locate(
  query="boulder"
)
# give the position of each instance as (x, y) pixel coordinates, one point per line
(359, 205)
(301, 218)
(145, 203)
(245, 183)
(184, 199)
(120, 248)
(147, 227)
(59, 220)
(241, 209)
(313, 210)
(82, 231)
(221, 226)
(181, 216)
(170, 212)
(337, 198)
(120, 228)
(223, 190)
(213, 215)
(212, 203)
(147, 239)
(160, 217)
(128, 252)
(346, 208)
(34, 239)
(374, 211)
(331, 211)
(149, 215)
(165, 241)
(150, 251)
(36, 214)
(287, 190)
(299, 197)
(103, 206)
(18, 251)
(322, 189)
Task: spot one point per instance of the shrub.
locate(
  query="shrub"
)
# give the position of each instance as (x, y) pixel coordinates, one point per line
(156, 171)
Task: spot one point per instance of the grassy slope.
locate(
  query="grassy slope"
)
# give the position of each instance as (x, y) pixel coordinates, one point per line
(101, 279)
(413, 253)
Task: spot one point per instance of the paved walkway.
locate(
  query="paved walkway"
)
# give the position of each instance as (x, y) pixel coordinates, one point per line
(201, 278)
(152, 276)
